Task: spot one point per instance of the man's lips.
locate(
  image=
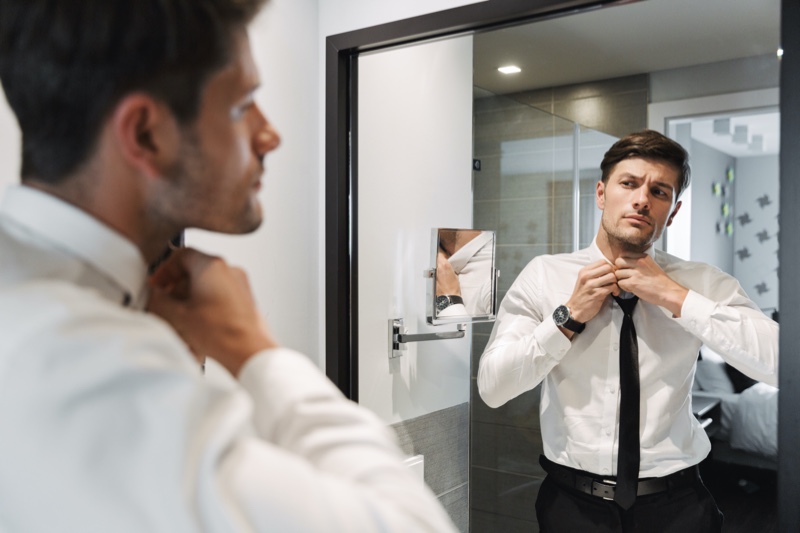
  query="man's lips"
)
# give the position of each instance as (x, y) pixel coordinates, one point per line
(640, 219)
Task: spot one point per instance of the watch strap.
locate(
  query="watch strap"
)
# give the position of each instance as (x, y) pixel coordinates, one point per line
(444, 301)
(573, 325)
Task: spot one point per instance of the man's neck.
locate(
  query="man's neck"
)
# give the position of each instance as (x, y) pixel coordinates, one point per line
(125, 219)
(612, 248)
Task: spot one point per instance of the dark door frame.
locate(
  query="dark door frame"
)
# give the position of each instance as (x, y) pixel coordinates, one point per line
(341, 192)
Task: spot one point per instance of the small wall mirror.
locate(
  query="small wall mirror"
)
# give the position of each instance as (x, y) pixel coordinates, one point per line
(463, 286)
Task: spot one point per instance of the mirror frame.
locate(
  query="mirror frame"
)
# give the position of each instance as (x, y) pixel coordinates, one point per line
(341, 194)
(432, 316)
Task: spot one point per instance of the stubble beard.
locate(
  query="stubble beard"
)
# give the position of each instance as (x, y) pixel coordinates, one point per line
(637, 242)
(198, 206)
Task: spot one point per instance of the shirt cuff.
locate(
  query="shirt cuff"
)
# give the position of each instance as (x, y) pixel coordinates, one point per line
(551, 339)
(695, 311)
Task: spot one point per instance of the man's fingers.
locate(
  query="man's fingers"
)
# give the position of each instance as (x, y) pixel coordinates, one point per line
(171, 270)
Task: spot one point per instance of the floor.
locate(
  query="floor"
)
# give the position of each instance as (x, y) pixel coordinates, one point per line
(746, 496)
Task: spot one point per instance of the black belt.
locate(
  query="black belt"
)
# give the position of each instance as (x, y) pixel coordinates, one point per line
(603, 487)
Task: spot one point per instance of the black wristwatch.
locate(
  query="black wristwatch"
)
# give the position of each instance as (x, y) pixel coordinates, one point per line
(444, 301)
(563, 319)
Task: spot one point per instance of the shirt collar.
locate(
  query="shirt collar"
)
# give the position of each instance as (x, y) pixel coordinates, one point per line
(595, 255)
(74, 231)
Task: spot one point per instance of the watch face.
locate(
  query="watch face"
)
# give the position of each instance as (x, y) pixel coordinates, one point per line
(561, 315)
(442, 302)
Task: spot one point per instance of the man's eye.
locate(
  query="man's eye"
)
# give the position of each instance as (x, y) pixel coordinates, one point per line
(240, 110)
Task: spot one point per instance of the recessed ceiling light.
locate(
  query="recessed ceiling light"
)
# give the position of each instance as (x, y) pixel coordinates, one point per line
(780, 52)
(510, 69)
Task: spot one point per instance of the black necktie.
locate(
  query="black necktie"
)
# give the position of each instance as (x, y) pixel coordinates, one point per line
(628, 453)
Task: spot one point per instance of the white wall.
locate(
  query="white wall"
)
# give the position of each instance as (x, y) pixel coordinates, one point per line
(415, 154)
(283, 256)
(755, 261)
(709, 166)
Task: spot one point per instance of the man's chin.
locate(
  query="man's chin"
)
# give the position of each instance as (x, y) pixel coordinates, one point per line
(637, 241)
(240, 226)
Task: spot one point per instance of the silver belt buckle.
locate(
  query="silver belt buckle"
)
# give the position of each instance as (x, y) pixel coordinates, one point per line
(613, 484)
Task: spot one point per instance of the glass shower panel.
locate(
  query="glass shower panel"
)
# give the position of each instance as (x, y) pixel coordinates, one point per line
(592, 145)
(536, 188)
(524, 191)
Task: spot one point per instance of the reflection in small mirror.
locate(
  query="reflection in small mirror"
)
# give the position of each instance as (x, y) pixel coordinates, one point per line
(464, 280)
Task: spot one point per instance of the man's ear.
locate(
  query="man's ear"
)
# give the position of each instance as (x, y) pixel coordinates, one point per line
(600, 195)
(674, 212)
(146, 133)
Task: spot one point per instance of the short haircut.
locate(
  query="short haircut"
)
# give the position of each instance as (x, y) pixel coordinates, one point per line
(649, 144)
(65, 64)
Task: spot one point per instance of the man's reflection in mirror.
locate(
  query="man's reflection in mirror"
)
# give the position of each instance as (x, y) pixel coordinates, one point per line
(464, 272)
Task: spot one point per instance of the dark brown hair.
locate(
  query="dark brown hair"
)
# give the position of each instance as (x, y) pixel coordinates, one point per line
(649, 144)
(64, 64)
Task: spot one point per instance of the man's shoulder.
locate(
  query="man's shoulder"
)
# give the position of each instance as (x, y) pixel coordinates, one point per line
(695, 275)
(23, 256)
(673, 263)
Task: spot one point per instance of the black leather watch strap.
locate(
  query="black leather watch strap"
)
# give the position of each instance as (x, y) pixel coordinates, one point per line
(573, 325)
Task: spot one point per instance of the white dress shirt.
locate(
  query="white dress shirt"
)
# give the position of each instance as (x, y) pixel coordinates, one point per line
(108, 425)
(579, 412)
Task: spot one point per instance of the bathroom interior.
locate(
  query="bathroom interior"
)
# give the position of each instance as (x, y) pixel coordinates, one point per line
(440, 139)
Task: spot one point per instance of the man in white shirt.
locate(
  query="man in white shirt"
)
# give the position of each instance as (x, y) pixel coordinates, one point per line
(560, 325)
(138, 121)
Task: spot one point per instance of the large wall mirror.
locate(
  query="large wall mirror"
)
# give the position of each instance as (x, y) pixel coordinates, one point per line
(707, 74)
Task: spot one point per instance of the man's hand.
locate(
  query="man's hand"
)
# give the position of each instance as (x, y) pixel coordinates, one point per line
(210, 305)
(639, 274)
(595, 282)
(446, 278)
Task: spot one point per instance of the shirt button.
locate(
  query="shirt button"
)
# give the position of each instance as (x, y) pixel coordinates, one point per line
(605, 470)
(611, 390)
(608, 432)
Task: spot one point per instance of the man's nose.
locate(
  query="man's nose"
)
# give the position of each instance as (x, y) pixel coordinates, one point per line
(266, 138)
(641, 198)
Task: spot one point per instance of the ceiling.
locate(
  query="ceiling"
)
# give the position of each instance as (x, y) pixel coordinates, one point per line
(637, 38)
(616, 41)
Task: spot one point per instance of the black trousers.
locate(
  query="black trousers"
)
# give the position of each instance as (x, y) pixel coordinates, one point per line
(689, 509)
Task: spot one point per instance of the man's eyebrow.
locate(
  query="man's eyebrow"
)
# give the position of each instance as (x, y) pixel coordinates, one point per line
(659, 183)
(250, 90)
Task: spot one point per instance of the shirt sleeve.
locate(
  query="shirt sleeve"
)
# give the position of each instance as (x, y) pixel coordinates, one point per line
(524, 346)
(729, 323)
(116, 429)
(338, 465)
